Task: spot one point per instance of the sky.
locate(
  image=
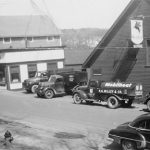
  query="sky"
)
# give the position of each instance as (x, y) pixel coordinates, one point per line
(69, 14)
(85, 13)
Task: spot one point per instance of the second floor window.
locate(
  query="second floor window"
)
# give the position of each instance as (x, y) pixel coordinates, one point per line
(50, 38)
(30, 39)
(7, 40)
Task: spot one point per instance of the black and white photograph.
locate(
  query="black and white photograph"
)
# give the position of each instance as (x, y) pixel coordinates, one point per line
(74, 74)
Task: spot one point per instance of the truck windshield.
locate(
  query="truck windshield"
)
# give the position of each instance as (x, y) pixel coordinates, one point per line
(40, 74)
(52, 79)
(37, 74)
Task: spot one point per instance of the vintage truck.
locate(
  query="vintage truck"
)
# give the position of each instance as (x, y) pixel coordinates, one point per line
(115, 94)
(61, 84)
(31, 84)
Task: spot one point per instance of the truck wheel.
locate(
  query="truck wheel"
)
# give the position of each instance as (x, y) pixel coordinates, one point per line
(128, 145)
(49, 94)
(33, 88)
(148, 105)
(112, 102)
(77, 99)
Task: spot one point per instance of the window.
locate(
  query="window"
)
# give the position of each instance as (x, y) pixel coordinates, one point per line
(40, 38)
(148, 53)
(30, 39)
(49, 38)
(32, 69)
(143, 124)
(51, 66)
(17, 39)
(59, 80)
(56, 37)
(15, 74)
(7, 40)
(97, 71)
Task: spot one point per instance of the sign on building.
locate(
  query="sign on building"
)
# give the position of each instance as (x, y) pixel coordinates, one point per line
(137, 32)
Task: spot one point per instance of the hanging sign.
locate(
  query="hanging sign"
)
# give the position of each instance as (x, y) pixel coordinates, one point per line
(137, 31)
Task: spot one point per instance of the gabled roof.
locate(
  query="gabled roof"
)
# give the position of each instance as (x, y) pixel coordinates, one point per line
(111, 33)
(29, 25)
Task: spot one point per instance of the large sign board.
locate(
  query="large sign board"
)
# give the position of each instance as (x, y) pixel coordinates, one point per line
(137, 31)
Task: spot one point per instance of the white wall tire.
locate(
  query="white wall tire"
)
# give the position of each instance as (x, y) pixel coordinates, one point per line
(33, 88)
(77, 99)
(112, 102)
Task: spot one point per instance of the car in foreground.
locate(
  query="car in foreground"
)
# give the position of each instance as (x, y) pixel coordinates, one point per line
(133, 135)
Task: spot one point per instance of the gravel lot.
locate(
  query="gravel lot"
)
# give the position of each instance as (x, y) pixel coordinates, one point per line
(42, 124)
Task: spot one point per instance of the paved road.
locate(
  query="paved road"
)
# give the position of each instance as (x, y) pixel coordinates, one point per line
(62, 115)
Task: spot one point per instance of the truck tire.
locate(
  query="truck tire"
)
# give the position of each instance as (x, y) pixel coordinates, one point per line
(112, 102)
(148, 105)
(49, 94)
(33, 88)
(77, 99)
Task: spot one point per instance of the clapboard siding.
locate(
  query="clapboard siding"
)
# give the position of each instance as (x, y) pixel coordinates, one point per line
(114, 52)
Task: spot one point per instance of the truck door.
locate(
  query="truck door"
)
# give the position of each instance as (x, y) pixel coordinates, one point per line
(59, 86)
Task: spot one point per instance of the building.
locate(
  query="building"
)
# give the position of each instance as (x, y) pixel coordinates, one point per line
(28, 43)
(120, 55)
(74, 58)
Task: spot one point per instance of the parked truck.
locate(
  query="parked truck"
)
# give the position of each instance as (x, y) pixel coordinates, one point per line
(31, 84)
(61, 83)
(115, 94)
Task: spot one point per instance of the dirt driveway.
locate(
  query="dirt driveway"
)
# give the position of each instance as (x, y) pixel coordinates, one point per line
(58, 124)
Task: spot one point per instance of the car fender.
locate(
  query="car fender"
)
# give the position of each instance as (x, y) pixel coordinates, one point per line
(121, 135)
(82, 94)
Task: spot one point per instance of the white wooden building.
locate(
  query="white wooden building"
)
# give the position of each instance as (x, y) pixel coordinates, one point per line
(28, 43)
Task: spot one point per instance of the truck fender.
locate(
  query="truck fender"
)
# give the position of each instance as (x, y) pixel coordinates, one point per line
(47, 88)
(82, 94)
(118, 97)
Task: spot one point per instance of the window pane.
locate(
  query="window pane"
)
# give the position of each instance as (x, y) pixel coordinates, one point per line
(50, 38)
(148, 53)
(31, 74)
(40, 38)
(29, 38)
(7, 40)
(51, 66)
(15, 74)
(17, 38)
(32, 69)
